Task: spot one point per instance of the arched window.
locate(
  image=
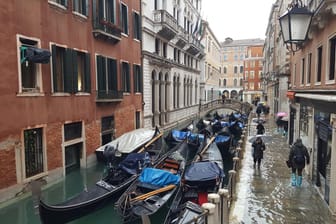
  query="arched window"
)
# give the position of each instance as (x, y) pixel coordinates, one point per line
(153, 97)
(235, 82)
(196, 88)
(166, 96)
(160, 96)
(241, 82)
(174, 91)
(178, 91)
(224, 82)
(184, 91)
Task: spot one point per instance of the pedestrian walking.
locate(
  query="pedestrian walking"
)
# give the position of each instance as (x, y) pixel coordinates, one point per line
(298, 157)
(260, 129)
(258, 148)
(258, 111)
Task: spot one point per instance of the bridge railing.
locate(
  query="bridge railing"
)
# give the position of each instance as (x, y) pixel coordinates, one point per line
(233, 104)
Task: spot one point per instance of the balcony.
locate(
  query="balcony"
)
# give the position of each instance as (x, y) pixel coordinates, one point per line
(194, 46)
(109, 96)
(182, 38)
(165, 24)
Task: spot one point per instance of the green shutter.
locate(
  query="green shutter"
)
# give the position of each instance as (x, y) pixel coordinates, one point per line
(134, 79)
(75, 71)
(100, 10)
(140, 79)
(101, 73)
(115, 75)
(85, 9)
(68, 76)
(87, 74)
(53, 55)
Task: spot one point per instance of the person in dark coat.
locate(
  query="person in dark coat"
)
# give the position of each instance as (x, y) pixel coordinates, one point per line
(298, 157)
(258, 151)
(260, 129)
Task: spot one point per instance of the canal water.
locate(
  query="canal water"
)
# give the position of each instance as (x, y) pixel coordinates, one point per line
(21, 210)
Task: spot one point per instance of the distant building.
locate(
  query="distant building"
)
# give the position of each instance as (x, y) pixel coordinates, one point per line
(253, 67)
(233, 54)
(212, 65)
(72, 80)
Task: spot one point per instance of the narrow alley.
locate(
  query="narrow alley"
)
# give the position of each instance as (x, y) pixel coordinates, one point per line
(265, 195)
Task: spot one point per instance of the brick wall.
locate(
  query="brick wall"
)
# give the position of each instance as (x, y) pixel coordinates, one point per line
(7, 161)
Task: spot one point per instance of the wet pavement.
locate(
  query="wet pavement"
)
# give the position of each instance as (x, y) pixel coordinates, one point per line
(265, 195)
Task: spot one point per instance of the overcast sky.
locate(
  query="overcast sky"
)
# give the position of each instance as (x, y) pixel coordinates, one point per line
(238, 19)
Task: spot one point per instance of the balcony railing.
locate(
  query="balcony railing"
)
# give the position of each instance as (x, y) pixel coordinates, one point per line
(194, 46)
(109, 96)
(182, 37)
(166, 25)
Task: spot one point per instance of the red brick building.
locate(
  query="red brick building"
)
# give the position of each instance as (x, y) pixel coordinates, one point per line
(253, 67)
(71, 72)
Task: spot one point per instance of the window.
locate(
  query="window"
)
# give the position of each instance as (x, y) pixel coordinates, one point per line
(235, 82)
(107, 75)
(107, 11)
(73, 145)
(241, 70)
(30, 72)
(235, 69)
(72, 131)
(125, 71)
(309, 71)
(319, 64)
(33, 152)
(136, 26)
(155, 4)
(175, 54)
(81, 7)
(332, 58)
(164, 50)
(224, 70)
(224, 82)
(124, 19)
(107, 129)
(61, 2)
(137, 78)
(157, 46)
(137, 119)
(71, 70)
(303, 70)
(241, 82)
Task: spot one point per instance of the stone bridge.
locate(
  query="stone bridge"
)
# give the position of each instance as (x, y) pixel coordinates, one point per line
(234, 105)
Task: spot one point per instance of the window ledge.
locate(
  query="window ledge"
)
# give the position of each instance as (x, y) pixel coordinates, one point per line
(36, 177)
(82, 94)
(30, 94)
(61, 94)
(57, 5)
(79, 15)
(126, 94)
(329, 82)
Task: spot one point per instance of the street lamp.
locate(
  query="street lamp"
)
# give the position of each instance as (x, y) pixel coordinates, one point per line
(295, 25)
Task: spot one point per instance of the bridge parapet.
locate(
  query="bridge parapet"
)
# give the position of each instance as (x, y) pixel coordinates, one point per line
(236, 105)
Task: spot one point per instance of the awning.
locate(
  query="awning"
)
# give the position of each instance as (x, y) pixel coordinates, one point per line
(290, 95)
(35, 55)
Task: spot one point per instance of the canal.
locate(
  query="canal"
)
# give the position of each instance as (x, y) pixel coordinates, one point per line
(21, 210)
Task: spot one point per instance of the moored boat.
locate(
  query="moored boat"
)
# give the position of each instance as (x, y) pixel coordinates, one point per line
(156, 186)
(205, 175)
(112, 185)
(128, 142)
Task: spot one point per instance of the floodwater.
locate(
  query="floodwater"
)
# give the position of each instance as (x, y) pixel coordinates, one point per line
(265, 195)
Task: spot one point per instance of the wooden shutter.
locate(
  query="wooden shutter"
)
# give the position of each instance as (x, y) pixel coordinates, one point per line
(112, 75)
(68, 71)
(74, 70)
(53, 55)
(101, 73)
(87, 74)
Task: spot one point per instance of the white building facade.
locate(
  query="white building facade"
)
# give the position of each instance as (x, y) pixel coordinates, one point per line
(172, 56)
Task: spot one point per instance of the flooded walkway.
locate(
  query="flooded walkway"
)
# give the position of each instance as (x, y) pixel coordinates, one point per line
(265, 195)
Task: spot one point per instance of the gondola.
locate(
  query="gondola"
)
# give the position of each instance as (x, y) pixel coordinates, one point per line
(114, 183)
(205, 175)
(155, 186)
(175, 136)
(128, 142)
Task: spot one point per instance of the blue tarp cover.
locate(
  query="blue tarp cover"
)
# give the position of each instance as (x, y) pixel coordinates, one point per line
(158, 177)
(203, 171)
(131, 163)
(222, 138)
(225, 124)
(193, 136)
(180, 135)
